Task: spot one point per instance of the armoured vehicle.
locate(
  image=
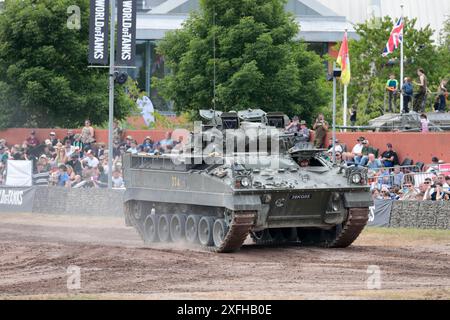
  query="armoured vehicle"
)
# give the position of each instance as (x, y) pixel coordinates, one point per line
(410, 122)
(264, 184)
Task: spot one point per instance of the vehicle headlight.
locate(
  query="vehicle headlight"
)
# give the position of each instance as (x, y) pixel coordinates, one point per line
(356, 178)
(245, 182)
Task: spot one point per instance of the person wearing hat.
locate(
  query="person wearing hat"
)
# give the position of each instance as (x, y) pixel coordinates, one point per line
(303, 133)
(127, 143)
(366, 150)
(77, 143)
(147, 145)
(355, 156)
(75, 163)
(389, 157)
(32, 141)
(63, 177)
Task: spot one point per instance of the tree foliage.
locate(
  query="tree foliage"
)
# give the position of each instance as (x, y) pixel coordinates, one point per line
(258, 64)
(44, 79)
(370, 70)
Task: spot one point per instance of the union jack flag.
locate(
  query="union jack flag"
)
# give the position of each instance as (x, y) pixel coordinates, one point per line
(395, 39)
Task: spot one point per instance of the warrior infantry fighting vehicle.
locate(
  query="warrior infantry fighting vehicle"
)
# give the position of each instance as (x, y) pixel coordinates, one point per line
(249, 178)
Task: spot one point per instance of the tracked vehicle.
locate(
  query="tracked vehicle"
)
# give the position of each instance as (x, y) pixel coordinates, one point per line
(249, 179)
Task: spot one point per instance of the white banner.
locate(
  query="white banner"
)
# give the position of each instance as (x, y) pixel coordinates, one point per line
(19, 173)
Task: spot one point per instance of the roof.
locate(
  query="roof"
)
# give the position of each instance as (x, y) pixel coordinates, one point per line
(432, 12)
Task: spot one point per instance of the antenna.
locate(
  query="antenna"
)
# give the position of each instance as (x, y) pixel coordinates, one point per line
(214, 62)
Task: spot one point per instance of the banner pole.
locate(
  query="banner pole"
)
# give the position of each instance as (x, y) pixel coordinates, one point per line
(345, 95)
(111, 92)
(401, 63)
(334, 115)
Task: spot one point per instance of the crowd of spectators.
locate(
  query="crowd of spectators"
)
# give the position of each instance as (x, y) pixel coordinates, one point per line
(78, 160)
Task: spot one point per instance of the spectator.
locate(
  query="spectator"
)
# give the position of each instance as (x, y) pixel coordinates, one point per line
(53, 139)
(434, 166)
(294, 126)
(320, 131)
(133, 148)
(442, 180)
(87, 134)
(337, 146)
(102, 179)
(353, 116)
(70, 137)
(3, 154)
(75, 164)
(392, 89)
(397, 176)
(421, 97)
(376, 194)
(421, 195)
(166, 144)
(32, 141)
(438, 193)
(389, 158)
(117, 180)
(424, 123)
(147, 145)
(90, 161)
(68, 148)
(43, 160)
(409, 192)
(407, 92)
(127, 143)
(443, 94)
(366, 150)
(41, 177)
(373, 163)
(303, 133)
(355, 156)
(117, 131)
(100, 150)
(77, 143)
(384, 179)
(63, 177)
(61, 157)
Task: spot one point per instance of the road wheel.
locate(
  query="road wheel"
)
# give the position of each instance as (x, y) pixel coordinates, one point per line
(151, 229)
(164, 228)
(205, 231)
(177, 227)
(192, 228)
(219, 232)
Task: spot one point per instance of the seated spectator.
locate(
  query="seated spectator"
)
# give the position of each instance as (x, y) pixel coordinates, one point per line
(63, 177)
(434, 166)
(397, 176)
(78, 144)
(102, 178)
(355, 156)
(438, 193)
(166, 144)
(385, 193)
(133, 149)
(442, 180)
(376, 194)
(389, 158)
(179, 145)
(384, 179)
(32, 141)
(117, 180)
(127, 143)
(366, 150)
(373, 163)
(90, 161)
(53, 138)
(41, 177)
(147, 145)
(44, 161)
(61, 157)
(409, 192)
(69, 137)
(68, 148)
(73, 177)
(337, 146)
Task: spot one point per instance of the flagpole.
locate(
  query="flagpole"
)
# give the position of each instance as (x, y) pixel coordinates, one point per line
(401, 62)
(345, 96)
(111, 92)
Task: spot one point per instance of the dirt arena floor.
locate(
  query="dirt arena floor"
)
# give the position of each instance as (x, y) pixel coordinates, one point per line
(36, 251)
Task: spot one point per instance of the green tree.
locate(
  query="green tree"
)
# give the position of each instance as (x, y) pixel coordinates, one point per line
(258, 64)
(44, 79)
(370, 70)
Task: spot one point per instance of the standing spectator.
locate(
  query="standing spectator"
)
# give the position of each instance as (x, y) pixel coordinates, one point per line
(392, 90)
(424, 123)
(353, 116)
(407, 92)
(117, 131)
(320, 131)
(70, 137)
(421, 97)
(3, 154)
(389, 157)
(303, 134)
(63, 177)
(32, 141)
(87, 134)
(53, 139)
(293, 126)
(443, 94)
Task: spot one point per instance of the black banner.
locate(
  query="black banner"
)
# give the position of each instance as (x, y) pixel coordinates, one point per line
(126, 33)
(16, 199)
(380, 213)
(98, 32)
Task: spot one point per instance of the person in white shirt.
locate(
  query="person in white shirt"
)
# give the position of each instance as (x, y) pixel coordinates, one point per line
(90, 160)
(117, 180)
(356, 151)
